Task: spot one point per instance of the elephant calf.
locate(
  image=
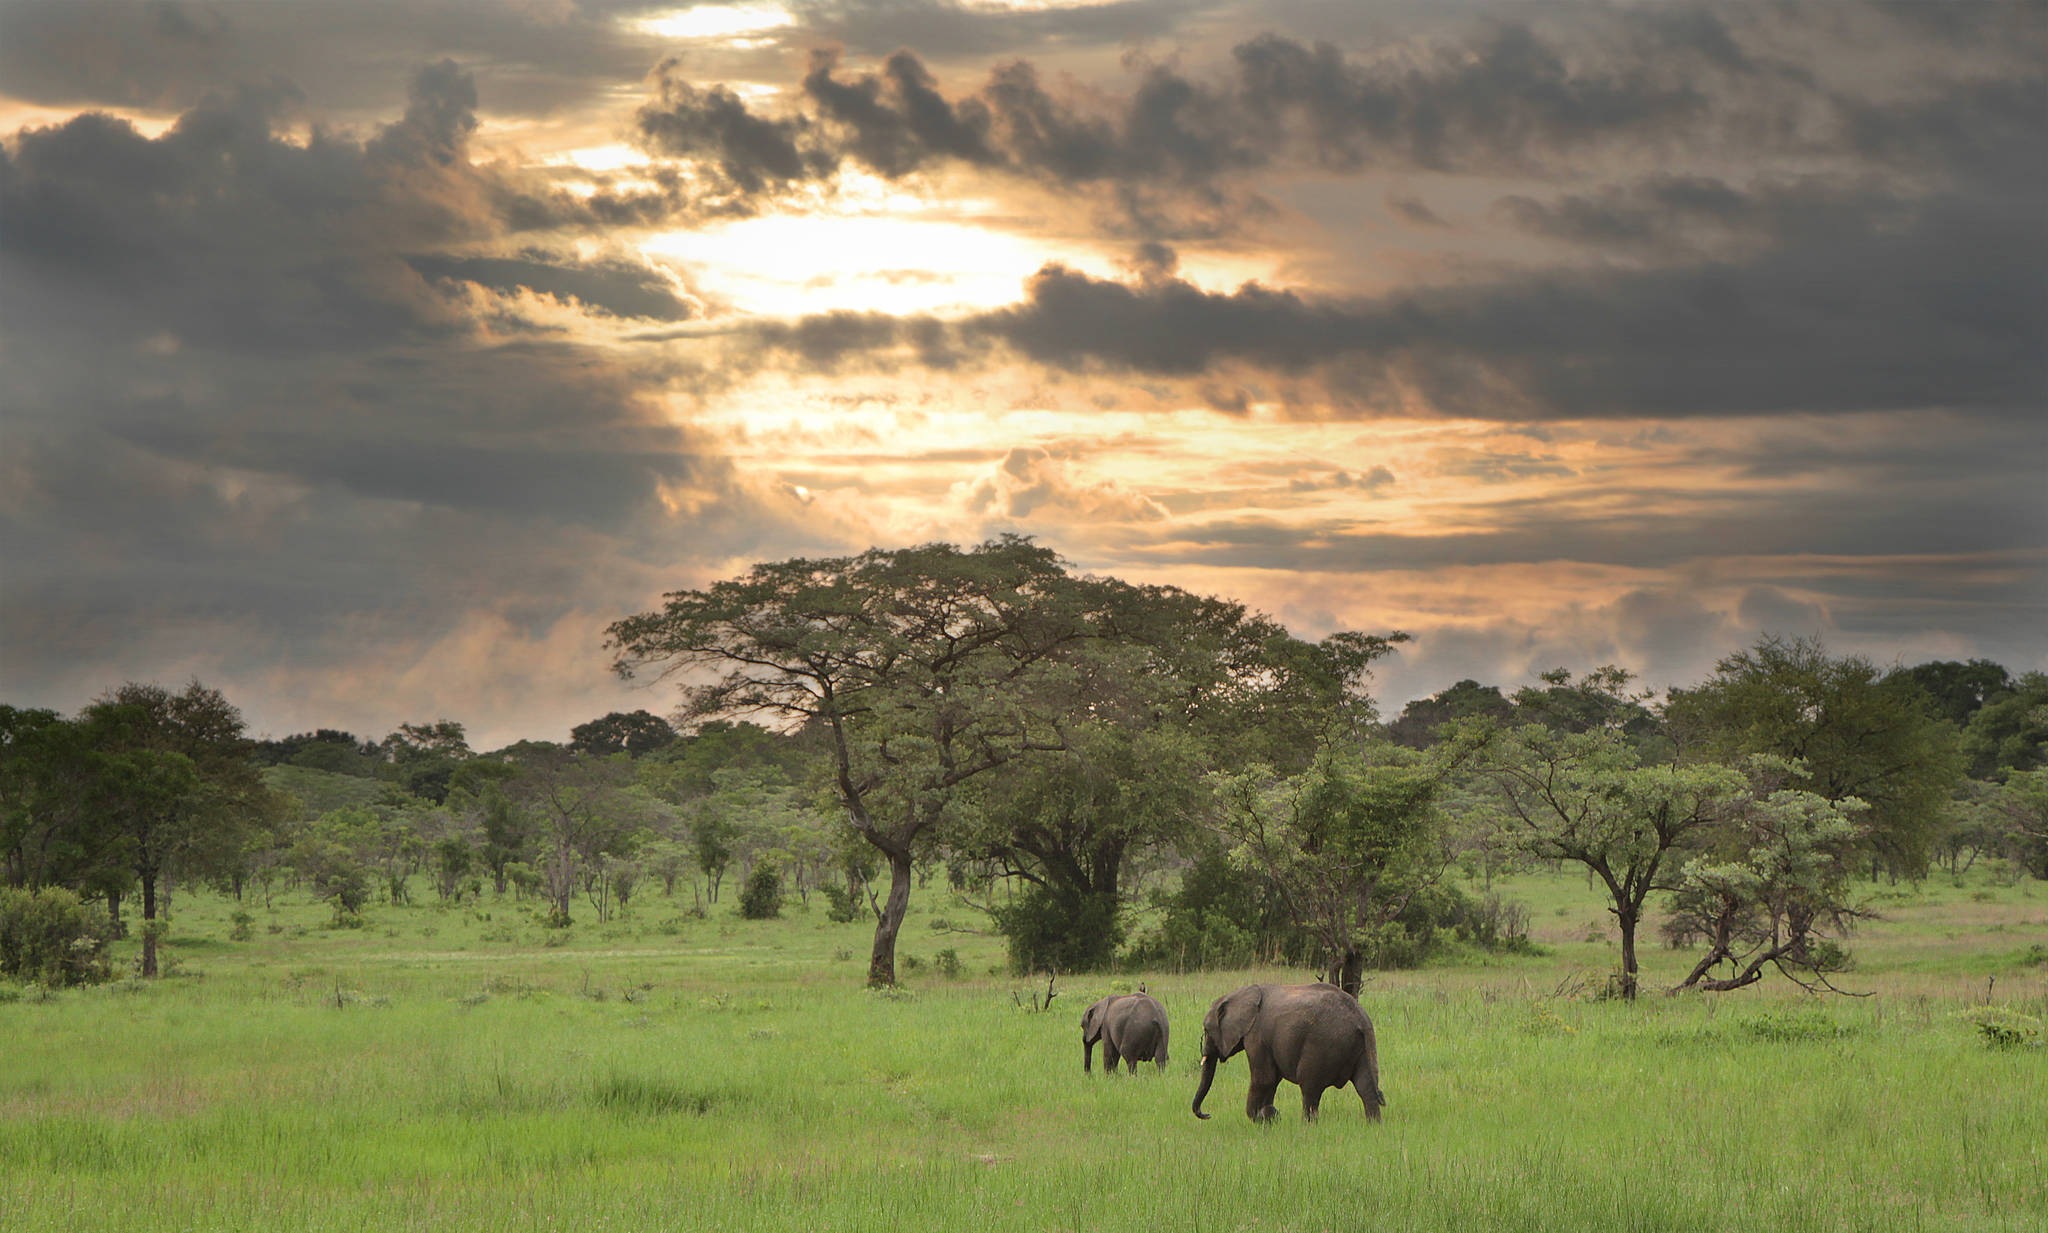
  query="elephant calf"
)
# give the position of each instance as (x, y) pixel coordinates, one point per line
(1316, 1036)
(1131, 1027)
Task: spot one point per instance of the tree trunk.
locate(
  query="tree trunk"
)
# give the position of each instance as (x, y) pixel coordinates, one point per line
(148, 919)
(882, 963)
(1351, 973)
(1627, 920)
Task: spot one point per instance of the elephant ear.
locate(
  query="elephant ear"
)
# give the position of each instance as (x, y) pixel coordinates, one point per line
(1235, 1013)
(1091, 1024)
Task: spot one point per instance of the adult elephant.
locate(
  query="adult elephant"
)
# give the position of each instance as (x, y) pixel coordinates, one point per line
(1315, 1036)
(1131, 1027)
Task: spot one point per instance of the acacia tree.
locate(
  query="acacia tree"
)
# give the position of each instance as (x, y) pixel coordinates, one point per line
(584, 813)
(1773, 886)
(1587, 797)
(1066, 824)
(182, 793)
(1347, 843)
(48, 766)
(635, 732)
(1854, 731)
(918, 666)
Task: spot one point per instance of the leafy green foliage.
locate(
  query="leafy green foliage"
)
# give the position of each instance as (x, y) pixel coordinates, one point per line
(1220, 916)
(1059, 929)
(634, 733)
(1774, 884)
(1346, 844)
(1418, 724)
(1957, 690)
(2010, 731)
(1587, 797)
(842, 904)
(1853, 732)
(48, 936)
(762, 897)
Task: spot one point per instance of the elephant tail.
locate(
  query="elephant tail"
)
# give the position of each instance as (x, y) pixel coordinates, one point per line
(1366, 1079)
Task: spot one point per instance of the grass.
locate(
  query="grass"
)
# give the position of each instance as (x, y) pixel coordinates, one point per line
(458, 1069)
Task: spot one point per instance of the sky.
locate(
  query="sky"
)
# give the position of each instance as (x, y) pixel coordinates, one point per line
(365, 358)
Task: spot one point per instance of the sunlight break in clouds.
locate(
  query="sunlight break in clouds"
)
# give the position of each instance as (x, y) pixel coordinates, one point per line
(717, 21)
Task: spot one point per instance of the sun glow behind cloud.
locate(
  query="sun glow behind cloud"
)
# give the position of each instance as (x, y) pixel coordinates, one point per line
(785, 265)
(718, 21)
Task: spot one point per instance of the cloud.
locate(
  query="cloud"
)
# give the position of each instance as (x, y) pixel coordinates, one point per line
(1936, 312)
(284, 399)
(618, 288)
(1031, 486)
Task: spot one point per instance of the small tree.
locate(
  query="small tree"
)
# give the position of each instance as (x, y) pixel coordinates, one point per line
(1585, 797)
(762, 897)
(582, 808)
(1346, 843)
(1775, 884)
(453, 861)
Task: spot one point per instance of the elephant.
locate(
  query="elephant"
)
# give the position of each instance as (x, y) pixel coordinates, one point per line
(1316, 1036)
(1131, 1027)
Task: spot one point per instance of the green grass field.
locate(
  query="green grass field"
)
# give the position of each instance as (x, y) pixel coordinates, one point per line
(455, 1069)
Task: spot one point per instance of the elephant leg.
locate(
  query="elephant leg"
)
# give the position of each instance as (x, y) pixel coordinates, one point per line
(1258, 1102)
(1311, 1101)
(1109, 1057)
(1131, 1063)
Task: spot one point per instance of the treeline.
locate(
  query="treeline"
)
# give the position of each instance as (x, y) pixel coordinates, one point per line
(1061, 749)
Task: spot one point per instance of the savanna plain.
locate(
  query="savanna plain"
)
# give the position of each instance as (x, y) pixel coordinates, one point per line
(466, 1067)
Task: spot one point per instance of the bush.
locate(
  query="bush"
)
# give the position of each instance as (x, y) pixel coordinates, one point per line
(244, 926)
(842, 904)
(1794, 1027)
(1221, 917)
(947, 962)
(762, 898)
(2003, 1028)
(51, 938)
(1054, 930)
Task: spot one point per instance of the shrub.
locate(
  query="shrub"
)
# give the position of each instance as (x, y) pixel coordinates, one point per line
(841, 903)
(1794, 1026)
(244, 926)
(1049, 930)
(947, 962)
(762, 898)
(348, 889)
(51, 938)
(1221, 917)
(2002, 1028)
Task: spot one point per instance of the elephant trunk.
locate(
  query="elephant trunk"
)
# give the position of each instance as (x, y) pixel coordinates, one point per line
(1208, 1077)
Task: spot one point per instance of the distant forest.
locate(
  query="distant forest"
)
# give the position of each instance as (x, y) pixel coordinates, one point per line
(1122, 775)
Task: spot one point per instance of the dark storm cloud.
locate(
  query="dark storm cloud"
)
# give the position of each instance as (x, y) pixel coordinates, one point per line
(897, 120)
(1947, 309)
(354, 57)
(945, 28)
(267, 389)
(1931, 518)
(1503, 97)
(617, 288)
(755, 153)
(229, 233)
